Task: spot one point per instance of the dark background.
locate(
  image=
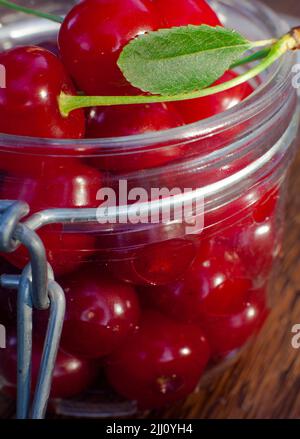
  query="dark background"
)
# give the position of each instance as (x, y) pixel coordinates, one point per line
(265, 381)
(284, 6)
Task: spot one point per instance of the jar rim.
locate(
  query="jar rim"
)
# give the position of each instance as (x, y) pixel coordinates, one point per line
(46, 217)
(268, 90)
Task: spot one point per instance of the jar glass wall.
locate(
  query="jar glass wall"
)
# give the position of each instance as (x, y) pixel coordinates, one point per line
(195, 284)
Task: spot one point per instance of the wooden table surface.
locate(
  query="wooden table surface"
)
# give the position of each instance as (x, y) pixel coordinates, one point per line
(265, 381)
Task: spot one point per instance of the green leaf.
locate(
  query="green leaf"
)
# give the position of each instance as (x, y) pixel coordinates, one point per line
(181, 59)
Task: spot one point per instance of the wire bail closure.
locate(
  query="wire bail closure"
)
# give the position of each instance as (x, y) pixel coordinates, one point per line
(37, 289)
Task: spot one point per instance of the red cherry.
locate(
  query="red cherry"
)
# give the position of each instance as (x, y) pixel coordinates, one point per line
(72, 375)
(215, 283)
(161, 363)
(202, 108)
(226, 216)
(155, 264)
(101, 313)
(92, 37)
(75, 185)
(26, 163)
(257, 238)
(35, 78)
(95, 31)
(257, 245)
(28, 104)
(186, 12)
(266, 206)
(228, 332)
(65, 251)
(70, 187)
(219, 280)
(132, 120)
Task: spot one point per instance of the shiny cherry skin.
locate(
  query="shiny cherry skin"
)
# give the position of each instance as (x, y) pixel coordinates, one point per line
(186, 12)
(132, 120)
(257, 238)
(72, 375)
(31, 163)
(208, 106)
(128, 120)
(62, 186)
(92, 37)
(266, 207)
(66, 251)
(257, 245)
(232, 216)
(72, 186)
(160, 364)
(100, 315)
(95, 31)
(28, 105)
(75, 186)
(155, 264)
(227, 332)
(215, 283)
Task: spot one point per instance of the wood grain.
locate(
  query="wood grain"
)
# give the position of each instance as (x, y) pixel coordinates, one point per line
(265, 381)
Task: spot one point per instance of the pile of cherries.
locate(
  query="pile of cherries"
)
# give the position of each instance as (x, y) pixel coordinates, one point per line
(153, 319)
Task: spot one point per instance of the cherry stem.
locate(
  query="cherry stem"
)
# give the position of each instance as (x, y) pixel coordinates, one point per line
(68, 103)
(30, 11)
(256, 56)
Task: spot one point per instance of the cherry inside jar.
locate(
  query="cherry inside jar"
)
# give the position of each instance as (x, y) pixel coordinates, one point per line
(153, 306)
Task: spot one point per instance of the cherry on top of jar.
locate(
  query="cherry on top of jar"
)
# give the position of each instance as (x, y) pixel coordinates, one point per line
(267, 98)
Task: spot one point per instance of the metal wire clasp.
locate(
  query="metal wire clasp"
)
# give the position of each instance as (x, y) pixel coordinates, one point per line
(36, 289)
(13, 234)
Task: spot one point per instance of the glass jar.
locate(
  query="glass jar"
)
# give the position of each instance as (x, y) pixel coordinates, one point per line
(200, 268)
